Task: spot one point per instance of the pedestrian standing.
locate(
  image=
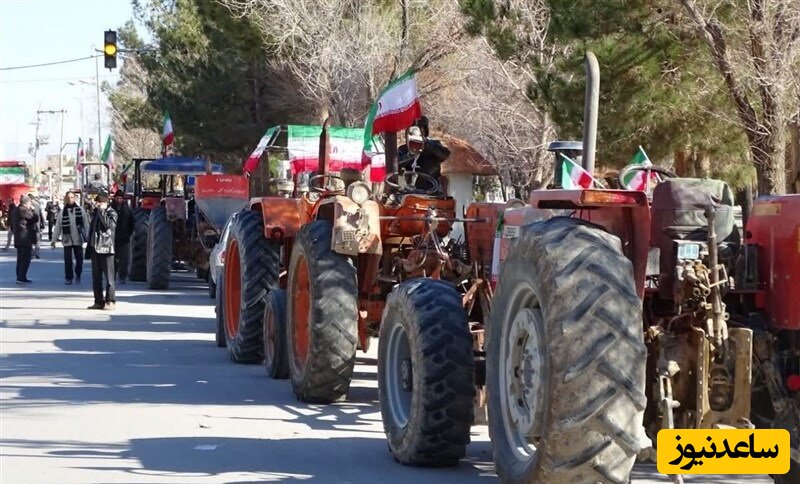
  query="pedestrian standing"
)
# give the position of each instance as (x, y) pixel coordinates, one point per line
(25, 233)
(122, 238)
(10, 217)
(51, 211)
(72, 226)
(100, 247)
(37, 207)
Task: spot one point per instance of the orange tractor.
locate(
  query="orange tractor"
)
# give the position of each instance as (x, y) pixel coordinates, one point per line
(359, 263)
(618, 314)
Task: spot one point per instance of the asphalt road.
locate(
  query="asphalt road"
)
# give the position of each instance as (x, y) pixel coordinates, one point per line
(143, 395)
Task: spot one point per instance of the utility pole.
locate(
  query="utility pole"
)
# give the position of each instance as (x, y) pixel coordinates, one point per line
(97, 85)
(39, 112)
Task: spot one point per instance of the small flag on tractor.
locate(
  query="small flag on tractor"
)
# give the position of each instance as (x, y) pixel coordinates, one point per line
(396, 108)
(167, 134)
(107, 156)
(80, 157)
(636, 180)
(573, 176)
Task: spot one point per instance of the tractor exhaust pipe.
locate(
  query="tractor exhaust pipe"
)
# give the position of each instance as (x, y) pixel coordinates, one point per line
(590, 107)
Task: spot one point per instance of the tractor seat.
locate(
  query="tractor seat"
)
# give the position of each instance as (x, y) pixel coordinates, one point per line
(678, 210)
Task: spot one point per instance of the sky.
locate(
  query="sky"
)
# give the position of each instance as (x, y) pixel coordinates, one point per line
(41, 31)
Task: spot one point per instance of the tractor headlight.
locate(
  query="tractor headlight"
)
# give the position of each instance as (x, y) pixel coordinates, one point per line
(359, 192)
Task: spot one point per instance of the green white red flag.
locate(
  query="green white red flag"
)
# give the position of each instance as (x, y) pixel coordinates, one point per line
(396, 108)
(107, 156)
(302, 143)
(12, 175)
(303, 147)
(167, 133)
(573, 176)
(637, 180)
(80, 156)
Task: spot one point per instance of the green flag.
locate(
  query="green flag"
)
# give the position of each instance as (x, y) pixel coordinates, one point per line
(108, 153)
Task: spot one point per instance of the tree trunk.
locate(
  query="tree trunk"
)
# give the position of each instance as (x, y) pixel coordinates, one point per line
(793, 158)
(769, 157)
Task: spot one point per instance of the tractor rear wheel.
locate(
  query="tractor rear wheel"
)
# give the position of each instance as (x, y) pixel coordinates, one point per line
(322, 317)
(159, 249)
(219, 309)
(275, 359)
(251, 270)
(141, 226)
(566, 358)
(425, 373)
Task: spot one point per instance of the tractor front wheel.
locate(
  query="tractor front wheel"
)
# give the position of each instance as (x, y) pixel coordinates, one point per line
(566, 358)
(159, 249)
(322, 317)
(251, 271)
(141, 226)
(425, 373)
(275, 359)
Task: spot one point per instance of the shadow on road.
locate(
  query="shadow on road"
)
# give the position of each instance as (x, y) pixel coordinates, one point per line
(301, 459)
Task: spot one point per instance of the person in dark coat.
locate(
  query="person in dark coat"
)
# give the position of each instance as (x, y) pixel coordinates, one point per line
(100, 248)
(37, 207)
(25, 226)
(10, 217)
(122, 238)
(51, 209)
(429, 161)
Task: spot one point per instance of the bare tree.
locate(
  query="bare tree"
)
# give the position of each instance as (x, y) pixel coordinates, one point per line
(489, 104)
(340, 52)
(755, 45)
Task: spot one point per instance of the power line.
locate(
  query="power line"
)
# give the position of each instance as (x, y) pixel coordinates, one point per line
(47, 63)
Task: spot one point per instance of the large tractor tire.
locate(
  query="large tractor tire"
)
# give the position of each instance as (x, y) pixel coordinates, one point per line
(425, 373)
(141, 227)
(322, 317)
(275, 361)
(219, 309)
(251, 271)
(566, 358)
(159, 249)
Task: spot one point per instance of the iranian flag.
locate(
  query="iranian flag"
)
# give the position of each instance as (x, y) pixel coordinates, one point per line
(303, 146)
(573, 176)
(80, 156)
(107, 156)
(12, 175)
(637, 180)
(396, 108)
(167, 134)
(252, 161)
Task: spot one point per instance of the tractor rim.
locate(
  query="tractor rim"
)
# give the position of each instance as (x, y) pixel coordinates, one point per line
(523, 360)
(301, 313)
(269, 334)
(399, 375)
(233, 289)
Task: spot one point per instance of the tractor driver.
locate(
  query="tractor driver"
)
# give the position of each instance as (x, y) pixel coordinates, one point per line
(429, 161)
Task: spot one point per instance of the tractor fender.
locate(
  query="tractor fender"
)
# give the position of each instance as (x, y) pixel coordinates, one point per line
(356, 228)
(282, 217)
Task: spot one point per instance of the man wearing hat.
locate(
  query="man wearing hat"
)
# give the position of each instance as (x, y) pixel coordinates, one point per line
(100, 248)
(122, 239)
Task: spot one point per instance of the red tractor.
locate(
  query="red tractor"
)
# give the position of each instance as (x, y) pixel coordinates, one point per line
(617, 315)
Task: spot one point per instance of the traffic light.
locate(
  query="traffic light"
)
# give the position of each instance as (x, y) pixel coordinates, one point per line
(110, 48)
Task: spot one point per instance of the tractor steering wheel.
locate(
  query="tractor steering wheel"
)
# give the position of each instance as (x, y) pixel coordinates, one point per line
(633, 168)
(322, 189)
(409, 187)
